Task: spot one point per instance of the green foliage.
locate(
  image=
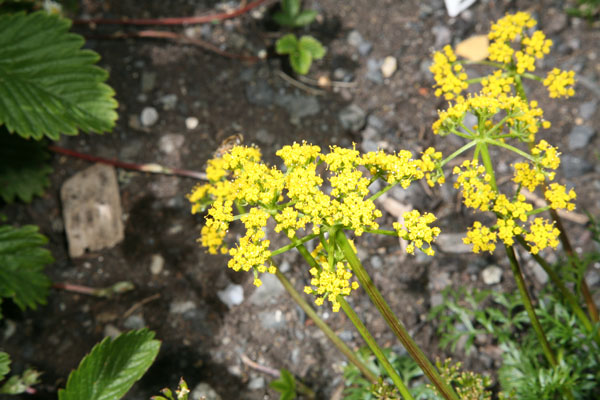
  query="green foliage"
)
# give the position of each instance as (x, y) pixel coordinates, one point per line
(23, 169)
(286, 385)
(291, 15)
(588, 9)
(22, 260)
(16, 384)
(301, 52)
(181, 393)
(525, 373)
(468, 385)
(112, 367)
(48, 84)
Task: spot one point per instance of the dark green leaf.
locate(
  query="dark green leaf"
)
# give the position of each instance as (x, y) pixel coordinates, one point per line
(313, 46)
(48, 84)
(287, 44)
(23, 168)
(290, 7)
(18, 384)
(283, 19)
(305, 18)
(112, 367)
(22, 260)
(301, 61)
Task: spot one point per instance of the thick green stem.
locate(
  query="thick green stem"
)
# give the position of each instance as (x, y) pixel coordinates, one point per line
(364, 332)
(457, 153)
(518, 274)
(487, 162)
(399, 330)
(325, 328)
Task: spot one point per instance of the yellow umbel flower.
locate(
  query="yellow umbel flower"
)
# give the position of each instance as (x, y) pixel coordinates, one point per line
(551, 156)
(476, 191)
(560, 83)
(298, 154)
(528, 176)
(542, 234)
(537, 45)
(498, 84)
(417, 231)
(558, 197)
(516, 209)
(507, 28)
(449, 76)
(507, 230)
(481, 237)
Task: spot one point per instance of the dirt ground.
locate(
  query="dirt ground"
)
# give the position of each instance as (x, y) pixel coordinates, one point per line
(202, 338)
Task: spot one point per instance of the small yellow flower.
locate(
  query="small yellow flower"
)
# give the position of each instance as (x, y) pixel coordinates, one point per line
(476, 191)
(558, 197)
(449, 76)
(560, 83)
(417, 231)
(542, 234)
(481, 237)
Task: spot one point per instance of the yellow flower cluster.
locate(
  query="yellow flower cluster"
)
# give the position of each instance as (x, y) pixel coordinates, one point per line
(476, 191)
(417, 231)
(497, 84)
(481, 237)
(558, 197)
(560, 83)
(294, 198)
(504, 31)
(536, 46)
(329, 282)
(449, 76)
(542, 234)
(521, 118)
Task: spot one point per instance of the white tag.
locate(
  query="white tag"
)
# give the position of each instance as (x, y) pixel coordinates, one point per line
(455, 7)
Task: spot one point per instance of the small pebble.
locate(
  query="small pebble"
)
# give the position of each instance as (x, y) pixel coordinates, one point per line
(389, 66)
(232, 295)
(491, 275)
(149, 116)
(157, 264)
(191, 123)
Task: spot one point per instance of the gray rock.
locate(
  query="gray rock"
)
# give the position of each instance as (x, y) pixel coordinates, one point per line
(574, 166)
(588, 109)
(376, 262)
(256, 383)
(149, 116)
(355, 39)
(264, 136)
(554, 21)
(438, 280)
(369, 145)
(436, 299)
(491, 275)
(204, 392)
(442, 35)
(171, 143)
(352, 118)
(538, 272)
(271, 288)
(157, 264)
(135, 321)
(373, 121)
(365, 48)
(580, 137)
(298, 106)
(260, 93)
(346, 335)
(147, 81)
(341, 74)
(370, 133)
(452, 243)
(232, 295)
(374, 70)
(271, 320)
(181, 307)
(168, 101)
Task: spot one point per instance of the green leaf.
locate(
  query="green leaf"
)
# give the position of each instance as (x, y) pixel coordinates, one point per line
(290, 7)
(305, 18)
(23, 168)
(18, 384)
(4, 364)
(112, 367)
(286, 385)
(313, 46)
(287, 44)
(22, 260)
(284, 19)
(48, 84)
(301, 61)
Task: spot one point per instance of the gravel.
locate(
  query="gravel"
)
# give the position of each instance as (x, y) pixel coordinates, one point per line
(149, 116)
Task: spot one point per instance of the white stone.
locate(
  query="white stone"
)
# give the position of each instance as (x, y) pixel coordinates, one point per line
(157, 264)
(191, 123)
(232, 295)
(149, 116)
(389, 66)
(491, 275)
(180, 307)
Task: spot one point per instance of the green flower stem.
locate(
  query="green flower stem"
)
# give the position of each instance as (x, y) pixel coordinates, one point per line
(292, 245)
(511, 148)
(585, 290)
(532, 76)
(483, 62)
(457, 153)
(518, 274)
(469, 135)
(561, 286)
(399, 330)
(487, 162)
(324, 327)
(364, 332)
(382, 232)
(519, 87)
(381, 192)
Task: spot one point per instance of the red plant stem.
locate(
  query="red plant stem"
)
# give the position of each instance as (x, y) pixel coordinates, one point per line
(69, 287)
(202, 19)
(152, 34)
(154, 168)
